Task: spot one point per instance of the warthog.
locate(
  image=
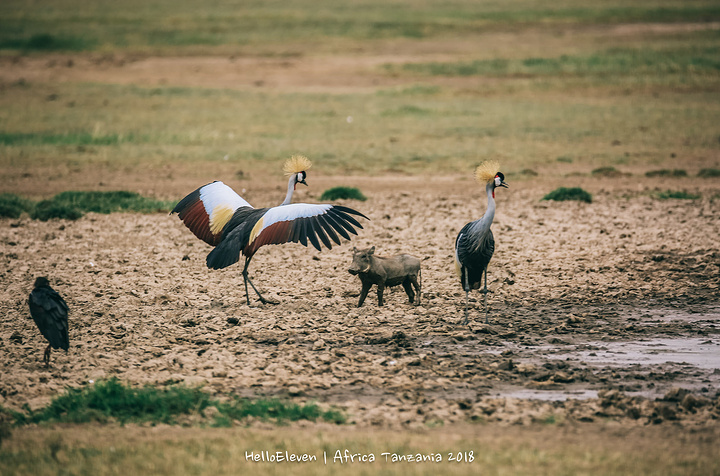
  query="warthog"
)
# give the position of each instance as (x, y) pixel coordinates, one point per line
(400, 269)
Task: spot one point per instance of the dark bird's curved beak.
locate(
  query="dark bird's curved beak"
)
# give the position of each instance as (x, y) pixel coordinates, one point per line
(303, 182)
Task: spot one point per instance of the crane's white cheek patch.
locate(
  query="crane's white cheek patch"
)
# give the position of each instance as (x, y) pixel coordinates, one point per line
(497, 181)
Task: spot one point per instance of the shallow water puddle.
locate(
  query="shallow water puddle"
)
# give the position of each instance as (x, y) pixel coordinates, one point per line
(545, 395)
(703, 353)
(694, 361)
(708, 317)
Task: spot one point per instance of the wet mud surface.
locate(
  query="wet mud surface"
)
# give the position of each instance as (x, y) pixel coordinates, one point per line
(598, 311)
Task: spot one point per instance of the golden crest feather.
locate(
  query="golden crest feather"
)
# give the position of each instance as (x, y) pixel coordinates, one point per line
(296, 164)
(487, 171)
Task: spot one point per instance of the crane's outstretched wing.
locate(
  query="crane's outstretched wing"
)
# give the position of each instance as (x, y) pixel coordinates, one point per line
(296, 223)
(50, 312)
(208, 209)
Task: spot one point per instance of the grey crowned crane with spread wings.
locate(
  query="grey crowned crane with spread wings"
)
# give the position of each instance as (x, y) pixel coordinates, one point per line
(220, 217)
(474, 245)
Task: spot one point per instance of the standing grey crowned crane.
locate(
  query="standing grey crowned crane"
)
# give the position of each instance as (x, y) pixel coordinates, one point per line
(474, 245)
(50, 313)
(220, 217)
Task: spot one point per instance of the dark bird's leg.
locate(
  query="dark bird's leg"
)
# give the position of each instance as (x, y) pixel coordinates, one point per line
(467, 294)
(46, 357)
(247, 280)
(485, 293)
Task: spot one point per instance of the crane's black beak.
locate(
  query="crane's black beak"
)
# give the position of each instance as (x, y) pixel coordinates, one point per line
(504, 184)
(303, 182)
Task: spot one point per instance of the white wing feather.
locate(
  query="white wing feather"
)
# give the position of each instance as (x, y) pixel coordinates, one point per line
(217, 193)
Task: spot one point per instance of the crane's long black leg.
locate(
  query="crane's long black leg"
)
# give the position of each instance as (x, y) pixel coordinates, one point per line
(467, 294)
(245, 280)
(485, 292)
(248, 280)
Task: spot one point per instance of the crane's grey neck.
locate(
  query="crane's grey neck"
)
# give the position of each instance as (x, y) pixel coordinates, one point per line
(487, 219)
(291, 189)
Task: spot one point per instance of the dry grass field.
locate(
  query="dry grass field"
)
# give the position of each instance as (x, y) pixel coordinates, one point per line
(602, 349)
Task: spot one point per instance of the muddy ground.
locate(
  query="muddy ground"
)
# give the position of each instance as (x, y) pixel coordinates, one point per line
(599, 311)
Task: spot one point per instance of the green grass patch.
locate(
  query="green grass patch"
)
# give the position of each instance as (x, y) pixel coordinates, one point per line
(606, 172)
(70, 138)
(109, 400)
(178, 25)
(47, 42)
(707, 173)
(542, 449)
(109, 202)
(666, 173)
(181, 129)
(614, 61)
(407, 110)
(565, 193)
(343, 193)
(274, 409)
(48, 209)
(72, 205)
(676, 195)
(12, 206)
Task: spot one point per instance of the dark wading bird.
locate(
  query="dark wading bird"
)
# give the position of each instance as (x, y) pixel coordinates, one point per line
(50, 312)
(475, 244)
(220, 217)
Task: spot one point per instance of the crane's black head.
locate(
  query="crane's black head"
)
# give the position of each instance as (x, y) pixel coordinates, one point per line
(41, 281)
(500, 180)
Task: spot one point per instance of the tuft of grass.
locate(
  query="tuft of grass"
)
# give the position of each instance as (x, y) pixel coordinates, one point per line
(5, 424)
(109, 202)
(238, 409)
(343, 193)
(616, 61)
(71, 205)
(47, 42)
(133, 25)
(676, 195)
(606, 172)
(12, 206)
(48, 209)
(565, 159)
(407, 110)
(70, 138)
(564, 193)
(111, 399)
(666, 173)
(707, 173)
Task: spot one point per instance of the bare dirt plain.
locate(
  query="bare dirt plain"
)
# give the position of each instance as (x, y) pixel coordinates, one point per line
(601, 311)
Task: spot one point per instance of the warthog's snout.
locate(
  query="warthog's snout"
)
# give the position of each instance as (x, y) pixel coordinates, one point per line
(355, 270)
